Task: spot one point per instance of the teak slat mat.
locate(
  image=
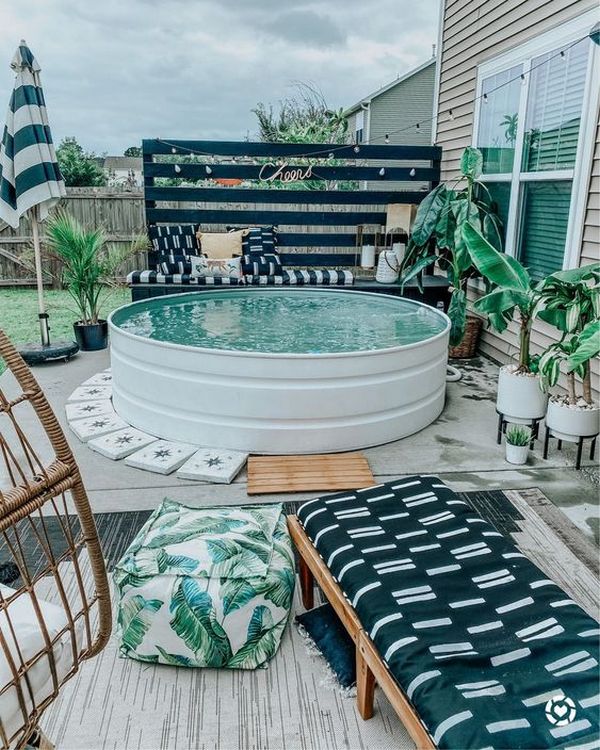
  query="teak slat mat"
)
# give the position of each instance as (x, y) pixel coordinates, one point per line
(337, 471)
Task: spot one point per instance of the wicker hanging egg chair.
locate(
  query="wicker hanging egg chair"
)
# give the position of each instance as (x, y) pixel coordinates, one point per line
(54, 596)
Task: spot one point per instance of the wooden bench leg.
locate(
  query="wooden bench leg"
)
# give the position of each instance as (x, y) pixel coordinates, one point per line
(365, 685)
(307, 583)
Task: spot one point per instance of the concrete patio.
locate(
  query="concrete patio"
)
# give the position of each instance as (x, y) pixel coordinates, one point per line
(460, 447)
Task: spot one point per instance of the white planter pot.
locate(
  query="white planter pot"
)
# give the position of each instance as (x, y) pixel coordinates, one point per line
(517, 454)
(520, 397)
(570, 424)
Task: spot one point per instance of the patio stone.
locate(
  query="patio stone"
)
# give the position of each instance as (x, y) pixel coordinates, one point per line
(93, 427)
(162, 456)
(84, 409)
(101, 378)
(213, 465)
(91, 393)
(122, 443)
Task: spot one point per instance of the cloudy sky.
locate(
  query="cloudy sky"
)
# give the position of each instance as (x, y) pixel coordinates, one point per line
(116, 71)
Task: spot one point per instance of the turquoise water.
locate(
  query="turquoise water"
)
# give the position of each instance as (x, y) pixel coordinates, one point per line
(282, 321)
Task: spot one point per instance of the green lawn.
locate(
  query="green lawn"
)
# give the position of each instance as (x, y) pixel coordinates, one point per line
(18, 313)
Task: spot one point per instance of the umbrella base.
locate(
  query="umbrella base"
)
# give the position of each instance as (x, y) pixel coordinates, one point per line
(36, 354)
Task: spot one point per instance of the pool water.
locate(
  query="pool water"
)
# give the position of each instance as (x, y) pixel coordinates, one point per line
(282, 321)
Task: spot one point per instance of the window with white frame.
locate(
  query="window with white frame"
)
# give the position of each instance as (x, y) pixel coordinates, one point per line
(532, 105)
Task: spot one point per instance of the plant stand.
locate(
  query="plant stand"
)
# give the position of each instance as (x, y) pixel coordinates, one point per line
(534, 425)
(580, 442)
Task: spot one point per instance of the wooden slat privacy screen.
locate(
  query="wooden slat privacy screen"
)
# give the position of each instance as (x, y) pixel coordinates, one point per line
(351, 189)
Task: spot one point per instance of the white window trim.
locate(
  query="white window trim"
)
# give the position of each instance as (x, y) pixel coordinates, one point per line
(560, 36)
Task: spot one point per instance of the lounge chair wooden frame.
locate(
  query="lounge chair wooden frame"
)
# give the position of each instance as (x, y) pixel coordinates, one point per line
(370, 667)
(44, 506)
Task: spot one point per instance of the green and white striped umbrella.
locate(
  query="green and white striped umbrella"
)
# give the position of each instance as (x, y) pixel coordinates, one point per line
(29, 172)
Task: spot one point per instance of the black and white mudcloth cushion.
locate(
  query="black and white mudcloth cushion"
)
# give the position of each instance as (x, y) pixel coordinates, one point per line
(295, 277)
(259, 240)
(183, 279)
(169, 264)
(174, 239)
(476, 635)
(267, 264)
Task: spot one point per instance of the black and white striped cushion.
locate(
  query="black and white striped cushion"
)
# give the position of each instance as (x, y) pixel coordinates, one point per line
(183, 279)
(174, 239)
(295, 277)
(478, 637)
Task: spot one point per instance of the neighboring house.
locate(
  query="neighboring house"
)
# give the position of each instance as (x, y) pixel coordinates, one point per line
(539, 134)
(123, 170)
(399, 105)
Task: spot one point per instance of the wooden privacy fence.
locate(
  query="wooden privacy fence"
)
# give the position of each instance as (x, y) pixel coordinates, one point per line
(120, 212)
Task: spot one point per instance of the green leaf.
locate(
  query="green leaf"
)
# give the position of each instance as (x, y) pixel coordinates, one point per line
(445, 228)
(135, 617)
(194, 620)
(457, 312)
(471, 162)
(587, 346)
(235, 593)
(491, 231)
(572, 316)
(234, 560)
(190, 527)
(416, 269)
(499, 268)
(576, 275)
(503, 300)
(261, 642)
(280, 588)
(428, 215)
(175, 659)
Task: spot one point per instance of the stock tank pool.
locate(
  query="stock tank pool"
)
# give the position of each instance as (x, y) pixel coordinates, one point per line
(280, 370)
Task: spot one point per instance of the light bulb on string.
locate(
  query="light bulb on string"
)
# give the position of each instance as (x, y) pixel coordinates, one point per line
(330, 156)
(562, 55)
(356, 149)
(522, 76)
(207, 169)
(173, 150)
(485, 98)
(413, 172)
(418, 126)
(450, 114)
(382, 172)
(177, 168)
(387, 138)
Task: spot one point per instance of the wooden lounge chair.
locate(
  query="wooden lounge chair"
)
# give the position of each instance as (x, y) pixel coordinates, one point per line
(466, 637)
(54, 597)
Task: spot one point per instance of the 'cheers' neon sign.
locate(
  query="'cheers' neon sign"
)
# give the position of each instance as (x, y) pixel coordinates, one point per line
(270, 172)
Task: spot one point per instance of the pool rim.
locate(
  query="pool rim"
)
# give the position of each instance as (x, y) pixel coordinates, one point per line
(278, 355)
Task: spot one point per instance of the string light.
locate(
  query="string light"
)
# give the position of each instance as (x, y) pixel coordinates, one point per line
(177, 168)
(382, 172)
(321, 153)
(413, 172)
(207, 169)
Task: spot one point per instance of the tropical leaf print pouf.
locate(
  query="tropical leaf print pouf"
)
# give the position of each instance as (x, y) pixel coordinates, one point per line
(206, 587)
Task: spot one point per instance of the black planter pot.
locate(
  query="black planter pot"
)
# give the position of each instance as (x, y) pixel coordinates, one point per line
(91, 336)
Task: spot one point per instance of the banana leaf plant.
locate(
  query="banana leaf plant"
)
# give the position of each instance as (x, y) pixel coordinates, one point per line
(512, 292)
(572, 304)
(437, 235)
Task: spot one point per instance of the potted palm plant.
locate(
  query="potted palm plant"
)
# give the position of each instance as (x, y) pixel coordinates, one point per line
(437, 236)
(513, 294)
(572, 304)
(89, 265)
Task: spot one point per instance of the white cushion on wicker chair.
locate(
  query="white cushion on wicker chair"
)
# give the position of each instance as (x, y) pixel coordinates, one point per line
(25, 640)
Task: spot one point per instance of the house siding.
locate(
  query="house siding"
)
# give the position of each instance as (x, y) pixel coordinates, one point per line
(473, 32)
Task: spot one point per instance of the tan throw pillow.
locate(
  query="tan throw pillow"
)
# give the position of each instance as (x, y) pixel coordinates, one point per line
(220, 245)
